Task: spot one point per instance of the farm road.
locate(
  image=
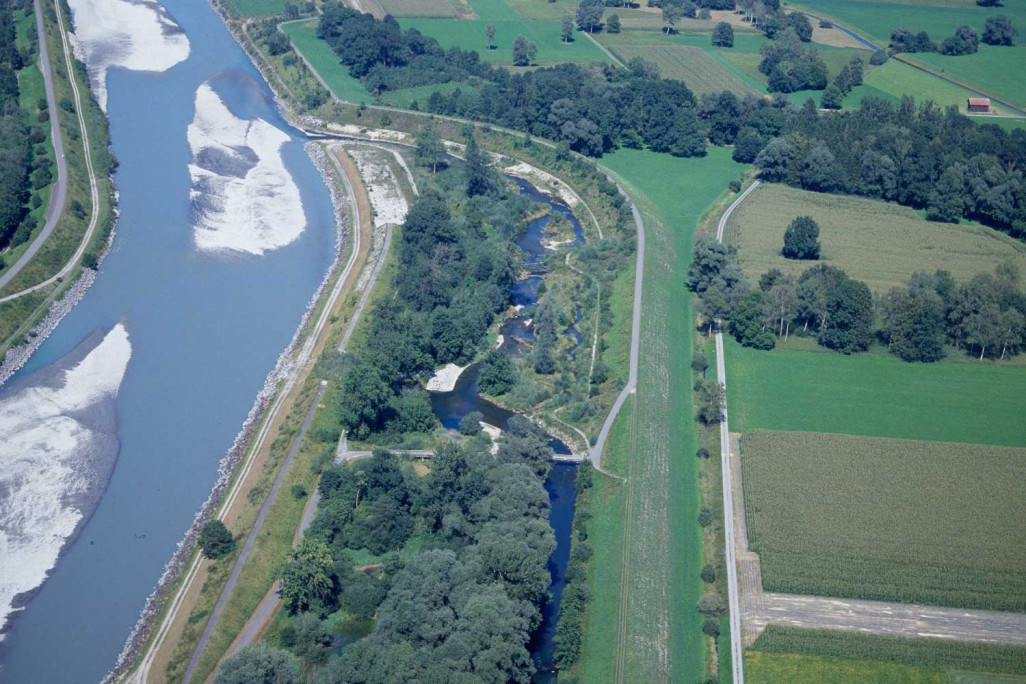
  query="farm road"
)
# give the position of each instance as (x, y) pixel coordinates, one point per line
(760, 608)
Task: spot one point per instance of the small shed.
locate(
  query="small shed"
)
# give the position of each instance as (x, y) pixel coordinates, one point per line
(979, 105)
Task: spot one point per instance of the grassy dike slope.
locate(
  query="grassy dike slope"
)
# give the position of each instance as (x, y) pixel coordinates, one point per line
(653, 631)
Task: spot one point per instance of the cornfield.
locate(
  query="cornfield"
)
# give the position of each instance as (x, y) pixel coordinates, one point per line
(888, 519)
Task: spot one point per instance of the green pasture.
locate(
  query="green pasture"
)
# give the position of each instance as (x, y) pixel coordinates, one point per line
(420, 8)
(995, 70)
(876, 19)
(773, 668)
(304, 35)
(877, 242)
(972, 402)
(892, 524)
(657, 627)
(894, 78)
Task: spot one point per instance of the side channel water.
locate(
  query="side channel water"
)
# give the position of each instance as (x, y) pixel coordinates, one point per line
(450, 407)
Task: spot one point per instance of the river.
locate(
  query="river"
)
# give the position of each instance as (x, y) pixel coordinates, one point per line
(450, 407)
(208, 280)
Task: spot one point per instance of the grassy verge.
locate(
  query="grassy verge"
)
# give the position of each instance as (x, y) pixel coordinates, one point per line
(769, 668)
(660, 629)
(944, 653)
(892, 526)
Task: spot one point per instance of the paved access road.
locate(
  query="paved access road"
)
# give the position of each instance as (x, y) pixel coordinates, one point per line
(737, 660)
(60, 189)
(59, 193)
(247, 547)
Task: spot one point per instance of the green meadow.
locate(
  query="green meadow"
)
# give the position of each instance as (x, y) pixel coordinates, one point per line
(974, 403)
(304, 35)
(656, 628)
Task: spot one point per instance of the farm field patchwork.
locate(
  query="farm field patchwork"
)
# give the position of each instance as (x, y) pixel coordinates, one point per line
(470, 35)
(660, 628)
(771, 668)
(886, 519)
(304, 36)
(877, 242)
(974, 403)
(875, 19)
(694, 66)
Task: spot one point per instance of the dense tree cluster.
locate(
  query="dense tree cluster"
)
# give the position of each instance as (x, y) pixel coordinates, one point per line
(592, 110)
(965, 41)
(849, 77)
(998, 30)
(464, 607)
(454, 276)
(918, 156)
(985, 317)
(24, 166)
(723, 35)
(790, 66)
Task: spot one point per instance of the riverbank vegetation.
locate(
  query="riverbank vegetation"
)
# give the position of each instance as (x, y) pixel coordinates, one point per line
(456, 265)
(465, 604)
(896, 505)
(18, 316)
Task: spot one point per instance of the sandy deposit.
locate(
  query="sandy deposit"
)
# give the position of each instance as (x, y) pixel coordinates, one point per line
(243, 197)
(134, 34)
(386, 195)
(444, 379)
(58, 445)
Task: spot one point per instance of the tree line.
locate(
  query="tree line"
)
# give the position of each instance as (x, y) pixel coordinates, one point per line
(24, 166)
(998, 30)
(919, 156)
(456, 265)
(984, 317)
(463, 608)
(592, 110)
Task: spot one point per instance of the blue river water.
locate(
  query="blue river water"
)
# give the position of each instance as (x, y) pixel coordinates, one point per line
(205, 330)
(451, 407)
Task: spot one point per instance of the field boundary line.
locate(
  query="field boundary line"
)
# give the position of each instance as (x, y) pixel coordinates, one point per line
(605, 50)
(736, 647)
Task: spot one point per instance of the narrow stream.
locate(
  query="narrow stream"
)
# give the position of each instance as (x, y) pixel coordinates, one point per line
(450, 407)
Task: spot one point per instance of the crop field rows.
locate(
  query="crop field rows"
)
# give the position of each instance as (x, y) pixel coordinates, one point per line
(877, 242)
(420, 8)
(693, 65)
(892, 525)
